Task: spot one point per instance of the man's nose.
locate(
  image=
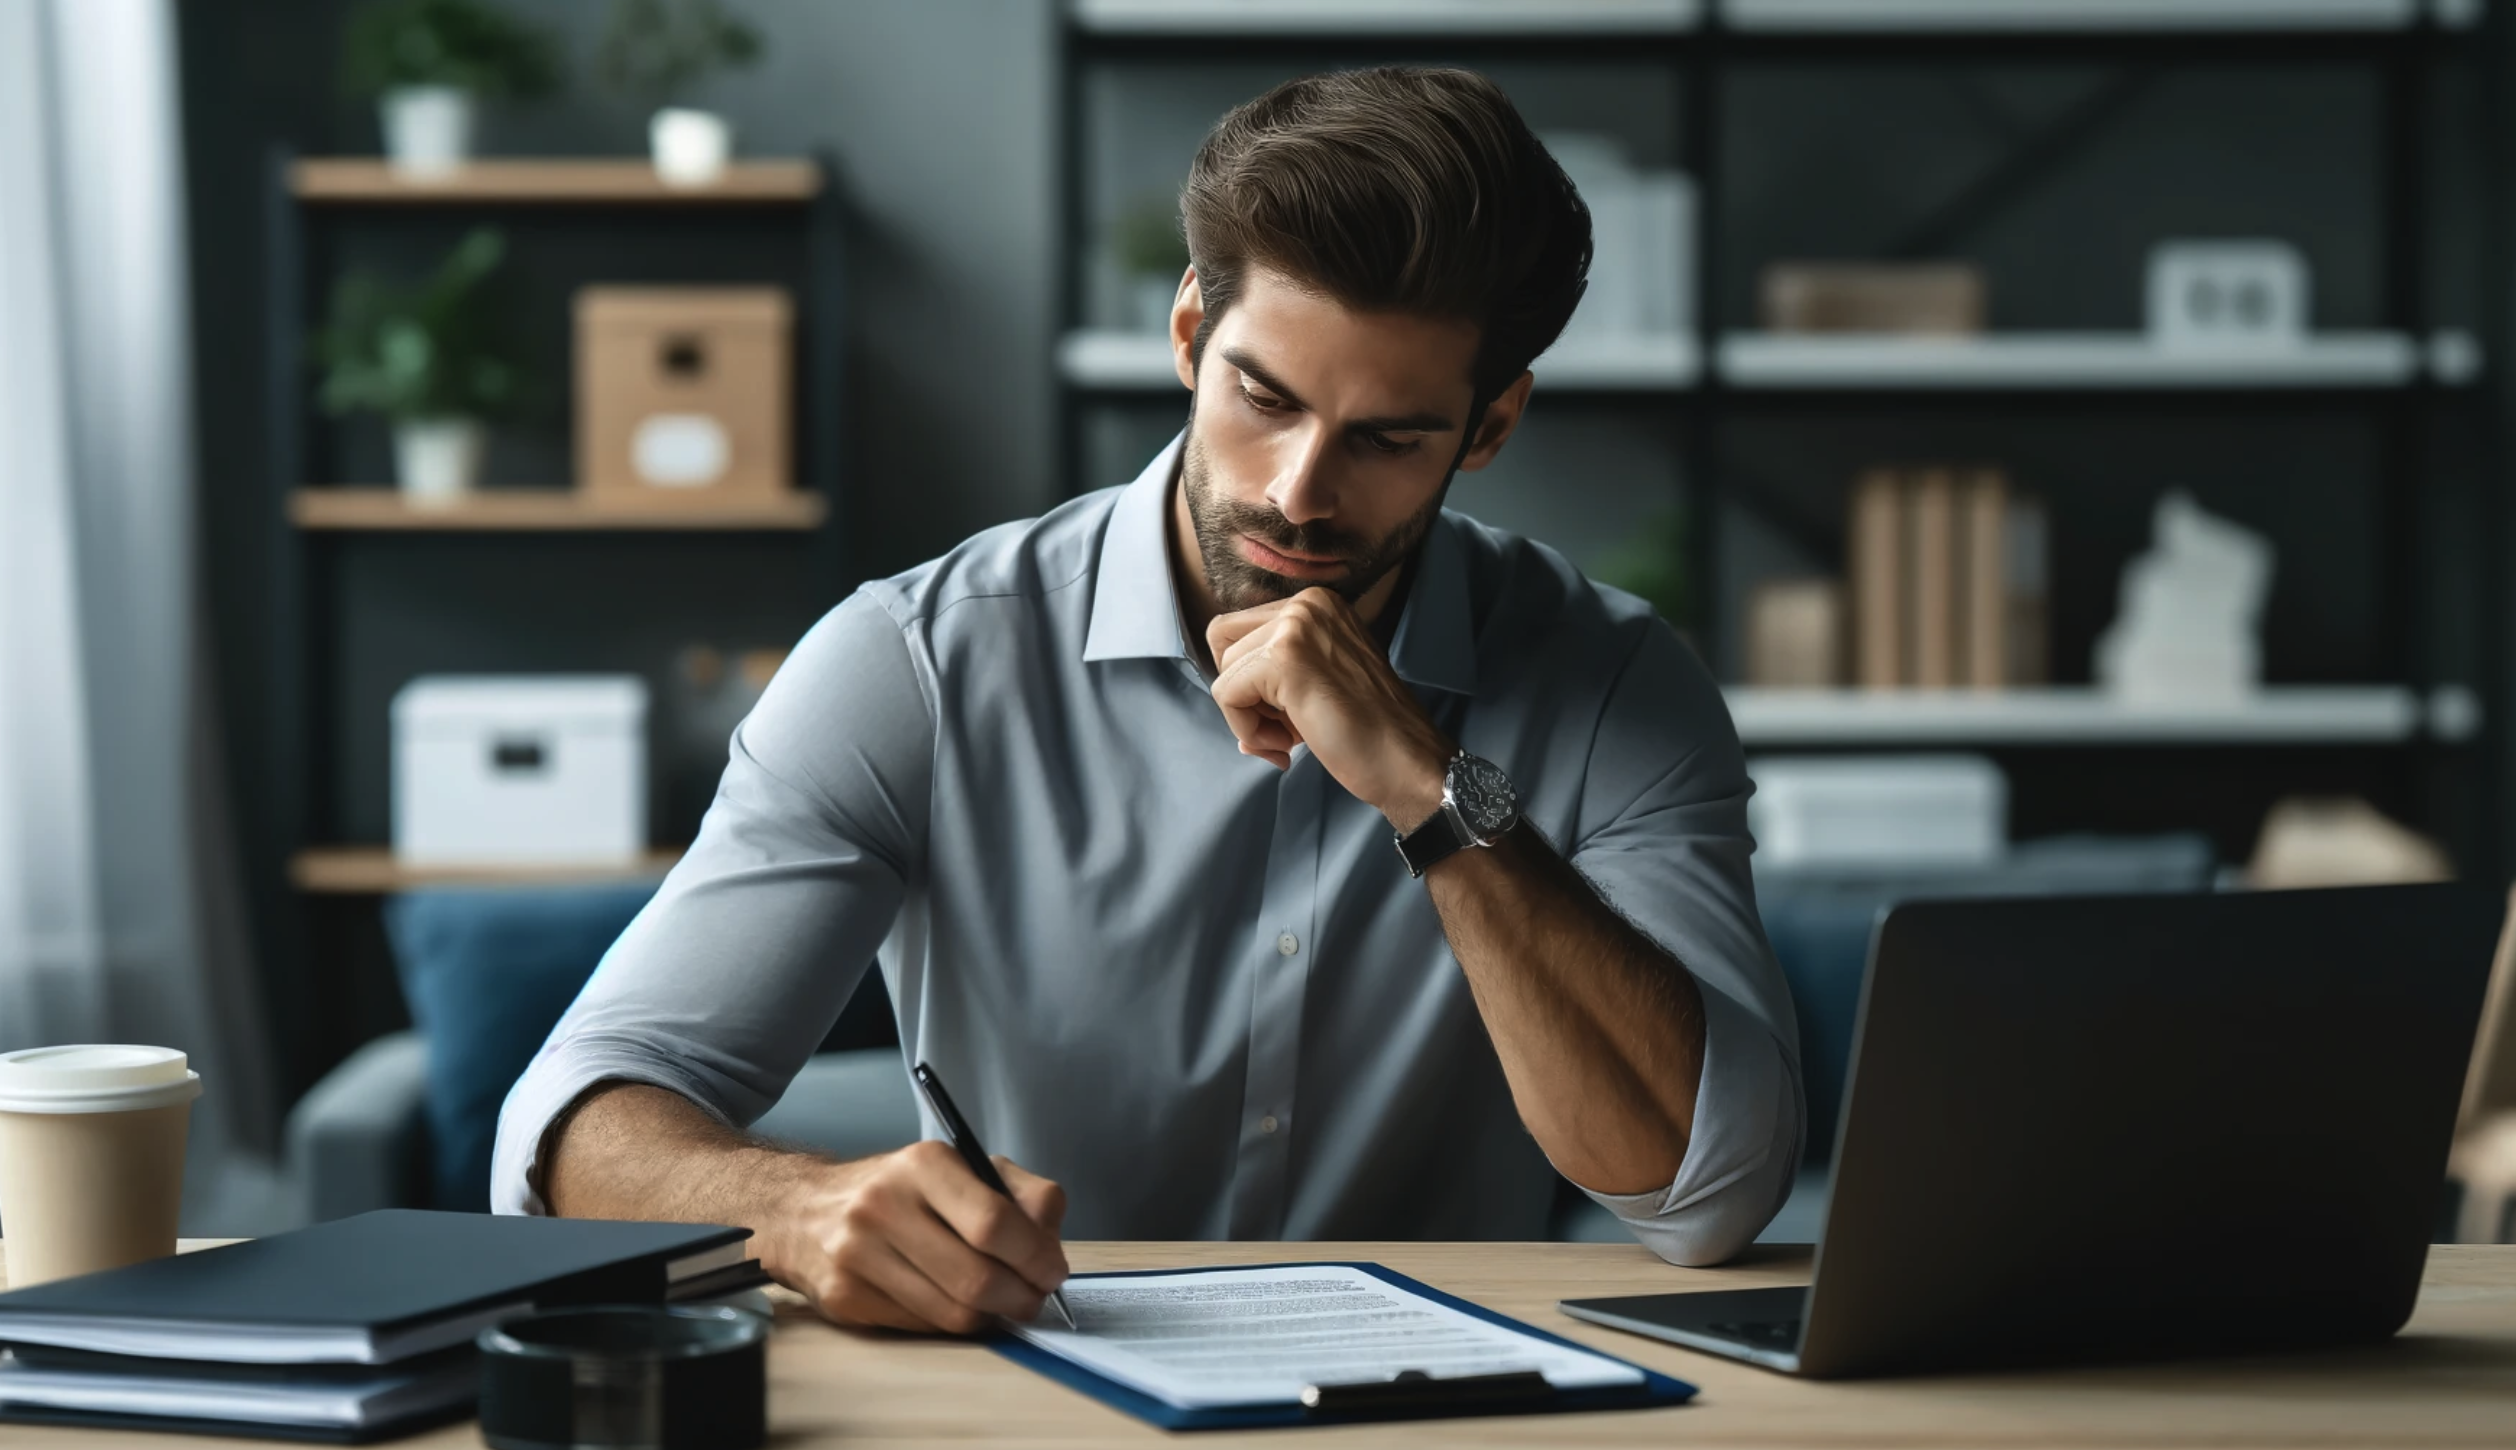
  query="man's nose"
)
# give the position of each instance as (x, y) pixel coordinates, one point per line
(1302, 490)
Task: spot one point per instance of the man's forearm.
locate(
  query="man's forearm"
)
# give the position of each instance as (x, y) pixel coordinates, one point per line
(906, 1240)
(632, 1151)
(1600, 1032)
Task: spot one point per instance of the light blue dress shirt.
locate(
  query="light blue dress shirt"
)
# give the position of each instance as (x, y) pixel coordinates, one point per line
(1202, 994)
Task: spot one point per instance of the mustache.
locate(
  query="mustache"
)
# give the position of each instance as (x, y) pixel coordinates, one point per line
(1278, 532)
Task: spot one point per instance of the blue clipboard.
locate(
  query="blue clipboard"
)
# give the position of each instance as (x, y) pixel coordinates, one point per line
(1655, 1390)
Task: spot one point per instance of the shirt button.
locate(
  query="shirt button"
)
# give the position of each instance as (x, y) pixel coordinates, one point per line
(1267, 1124)
(1287, 944)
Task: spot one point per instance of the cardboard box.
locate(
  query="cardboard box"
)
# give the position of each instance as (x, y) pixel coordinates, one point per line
(1929, 298)
(684, 393)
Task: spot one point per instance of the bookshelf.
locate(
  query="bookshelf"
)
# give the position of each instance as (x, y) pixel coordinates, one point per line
(2377, 429)
(2092, 361)
(369, 590)
(548, 182)
(2044, 16)
(2278, 715)
(545, 510)
(374, 871)
(1429, 18)
(1108, 360)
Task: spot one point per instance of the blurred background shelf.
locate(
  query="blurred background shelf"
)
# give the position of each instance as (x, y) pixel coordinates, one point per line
(570, 180)
(1953, 16)
(1115, 361)
(2061, 360)
(2281, 715)
(548, 510)
(1437, 18)
(373, 871)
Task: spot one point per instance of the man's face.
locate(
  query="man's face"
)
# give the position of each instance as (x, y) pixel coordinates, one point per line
(1322, 440)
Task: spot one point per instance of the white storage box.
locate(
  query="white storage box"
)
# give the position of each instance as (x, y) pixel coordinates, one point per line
(519, 769)
(1878, 810)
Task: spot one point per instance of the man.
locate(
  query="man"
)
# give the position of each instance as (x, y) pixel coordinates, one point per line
(1114, 794)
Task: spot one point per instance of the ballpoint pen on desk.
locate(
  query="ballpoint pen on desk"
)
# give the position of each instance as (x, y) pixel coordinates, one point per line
(965, 1143)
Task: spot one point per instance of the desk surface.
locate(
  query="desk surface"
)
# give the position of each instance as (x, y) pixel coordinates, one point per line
(2449, 1380)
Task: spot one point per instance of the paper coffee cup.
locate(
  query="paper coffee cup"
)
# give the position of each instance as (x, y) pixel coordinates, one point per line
(91, 1157)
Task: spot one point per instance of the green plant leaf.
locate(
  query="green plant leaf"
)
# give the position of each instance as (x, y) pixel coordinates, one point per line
(1651, 564)
(656, 49)
(425, 349)
(470, 45)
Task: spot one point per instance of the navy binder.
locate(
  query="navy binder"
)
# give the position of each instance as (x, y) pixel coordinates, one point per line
(369, 1290)
(1655, 1390)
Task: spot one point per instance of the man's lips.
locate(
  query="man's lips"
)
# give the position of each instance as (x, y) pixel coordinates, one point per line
(1296, 566)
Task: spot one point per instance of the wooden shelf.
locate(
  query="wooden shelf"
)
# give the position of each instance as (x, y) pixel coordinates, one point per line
(1387, 17)
(2015, 16)
(549, 510)
(550, 182)
(1115, 361)
(2061, 360)
(2277, 715)
(373, 871)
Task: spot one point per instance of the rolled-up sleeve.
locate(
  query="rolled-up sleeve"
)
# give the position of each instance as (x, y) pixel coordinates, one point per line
(733, 974)
(1665, 842)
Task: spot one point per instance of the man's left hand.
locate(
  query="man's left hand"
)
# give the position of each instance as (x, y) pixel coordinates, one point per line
(1305, 671)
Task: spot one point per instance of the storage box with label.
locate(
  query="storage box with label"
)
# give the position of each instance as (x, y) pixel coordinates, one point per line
(1906, 811)
(683, 393)
(519, 769)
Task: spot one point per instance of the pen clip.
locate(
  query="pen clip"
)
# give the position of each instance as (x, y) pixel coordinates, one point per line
(1414, 1389)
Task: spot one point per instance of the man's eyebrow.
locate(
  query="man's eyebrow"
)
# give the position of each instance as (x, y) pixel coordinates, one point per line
(1425, 422)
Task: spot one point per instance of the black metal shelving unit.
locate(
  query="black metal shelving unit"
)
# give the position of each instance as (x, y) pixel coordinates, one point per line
(356, 608)
(2440, 590)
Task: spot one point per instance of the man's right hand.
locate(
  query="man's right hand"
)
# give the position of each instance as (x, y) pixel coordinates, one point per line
(912, 1240)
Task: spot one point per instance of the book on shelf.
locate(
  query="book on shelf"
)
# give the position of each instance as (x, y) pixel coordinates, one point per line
(1949, 578)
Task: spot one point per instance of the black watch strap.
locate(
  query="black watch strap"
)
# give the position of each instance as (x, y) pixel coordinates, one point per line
(1441, 836)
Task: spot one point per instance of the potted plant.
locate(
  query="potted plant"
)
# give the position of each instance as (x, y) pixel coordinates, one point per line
(656, 50)
(428, 62)
(1651, 563)
(1151, 254)
(427, 358)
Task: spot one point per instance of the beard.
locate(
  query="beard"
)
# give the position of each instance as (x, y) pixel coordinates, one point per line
(1239, 584)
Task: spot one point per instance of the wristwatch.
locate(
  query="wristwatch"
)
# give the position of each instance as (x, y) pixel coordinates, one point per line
(1477, 809)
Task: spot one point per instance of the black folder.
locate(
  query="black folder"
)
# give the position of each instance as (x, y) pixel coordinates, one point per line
(373, 1289)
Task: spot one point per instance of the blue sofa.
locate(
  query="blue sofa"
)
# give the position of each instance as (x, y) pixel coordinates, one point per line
(407, 1118)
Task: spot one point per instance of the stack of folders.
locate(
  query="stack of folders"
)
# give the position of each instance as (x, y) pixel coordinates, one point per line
(1948, 571)
(355, 1330)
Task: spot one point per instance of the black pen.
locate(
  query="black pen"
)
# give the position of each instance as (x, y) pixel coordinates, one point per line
(965, 1143)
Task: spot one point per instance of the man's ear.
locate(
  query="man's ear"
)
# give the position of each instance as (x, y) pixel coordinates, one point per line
(1501, 417)
(1188, 313)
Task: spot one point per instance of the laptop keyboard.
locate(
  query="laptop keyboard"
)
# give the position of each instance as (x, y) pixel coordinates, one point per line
(1782, 1334)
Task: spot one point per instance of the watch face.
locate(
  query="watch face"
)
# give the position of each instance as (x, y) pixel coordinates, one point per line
(1483, 794)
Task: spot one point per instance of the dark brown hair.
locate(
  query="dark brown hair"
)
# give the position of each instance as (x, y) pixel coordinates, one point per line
(1396, 189)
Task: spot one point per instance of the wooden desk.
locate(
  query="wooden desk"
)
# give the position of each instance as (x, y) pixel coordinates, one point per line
(2449, 1380)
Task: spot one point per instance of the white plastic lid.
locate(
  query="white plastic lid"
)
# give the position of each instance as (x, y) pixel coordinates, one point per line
(521, 702)
(95, 1078)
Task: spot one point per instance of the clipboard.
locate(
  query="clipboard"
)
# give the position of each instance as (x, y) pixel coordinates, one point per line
(1411, 1400)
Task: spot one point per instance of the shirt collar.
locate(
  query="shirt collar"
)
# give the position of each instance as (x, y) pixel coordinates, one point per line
(1135, 611)
(1135, 606)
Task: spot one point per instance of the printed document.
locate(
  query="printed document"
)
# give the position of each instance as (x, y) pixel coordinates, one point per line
(1259, 1336)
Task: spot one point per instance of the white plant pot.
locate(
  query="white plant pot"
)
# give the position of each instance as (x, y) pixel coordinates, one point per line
(427, 129)
(690, 147)
(437, 460)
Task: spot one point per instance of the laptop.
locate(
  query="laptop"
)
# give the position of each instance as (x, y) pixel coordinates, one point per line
(2136, 1127)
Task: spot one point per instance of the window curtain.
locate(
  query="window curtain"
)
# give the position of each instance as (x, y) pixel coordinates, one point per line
(118, 888)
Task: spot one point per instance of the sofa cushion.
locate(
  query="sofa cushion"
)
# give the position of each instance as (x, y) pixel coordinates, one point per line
(487, 973)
